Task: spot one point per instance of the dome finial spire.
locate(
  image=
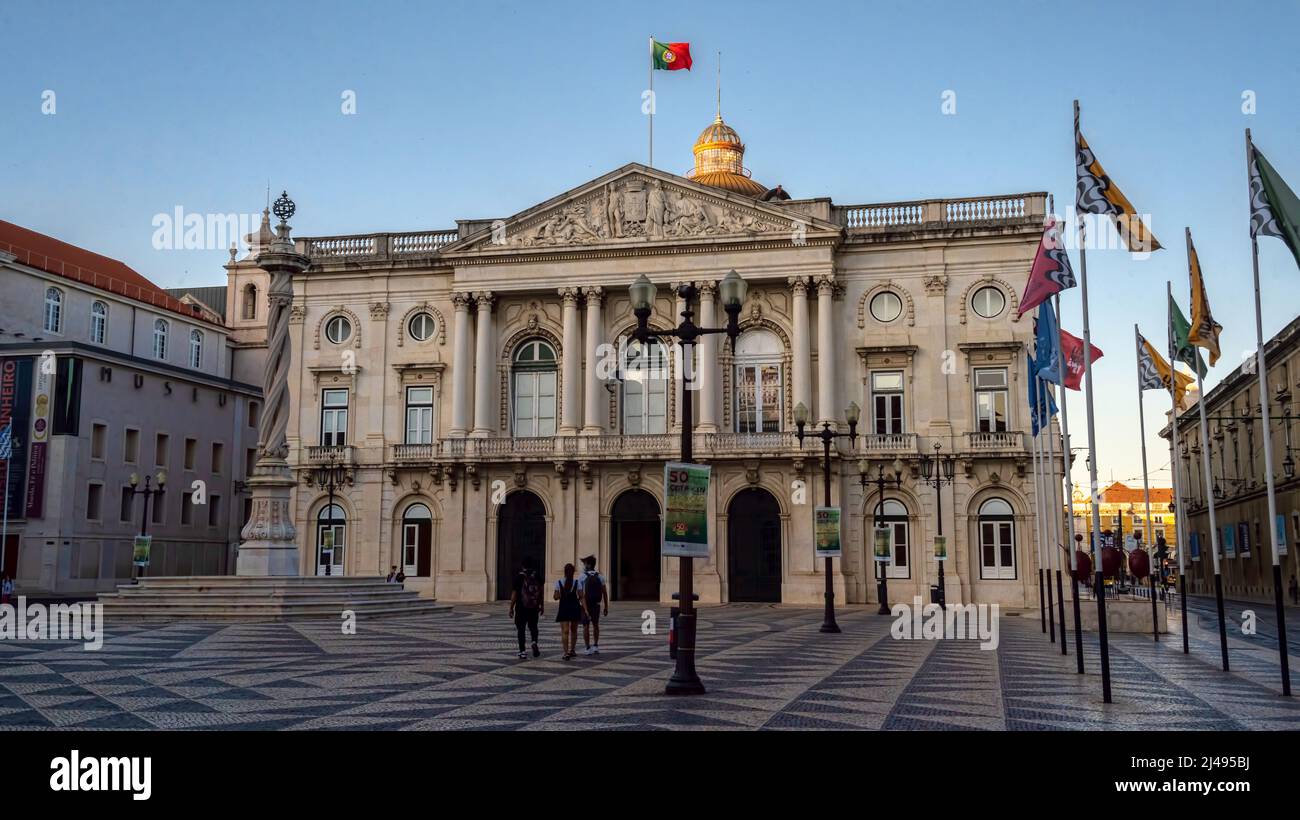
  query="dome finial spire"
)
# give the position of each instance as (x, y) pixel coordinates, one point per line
(719, 86)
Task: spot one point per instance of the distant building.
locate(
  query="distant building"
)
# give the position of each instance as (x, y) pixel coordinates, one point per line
(105, 375)
(1123, 512)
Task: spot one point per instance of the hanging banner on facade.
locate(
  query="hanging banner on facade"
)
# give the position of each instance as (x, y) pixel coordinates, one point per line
(1281, 534)
(140, 550)
(42, 407)
(941, 548)
(15, 408)
(1243, 539)
(884, 543)
(1194, 546)
(1230, 541)
(826, 532)
(686, 514)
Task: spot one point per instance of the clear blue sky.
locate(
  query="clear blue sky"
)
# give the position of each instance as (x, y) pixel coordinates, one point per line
(477, 110)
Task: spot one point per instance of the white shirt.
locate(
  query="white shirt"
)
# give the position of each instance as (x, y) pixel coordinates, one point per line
(582, 581)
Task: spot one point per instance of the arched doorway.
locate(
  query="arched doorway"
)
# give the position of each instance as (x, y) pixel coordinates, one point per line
(634, 547)
(331, 538)
(417, 541)
(521, 533)
(754, 547)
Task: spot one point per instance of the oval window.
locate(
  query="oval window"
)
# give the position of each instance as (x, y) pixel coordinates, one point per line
(886, 306)
(338, 329)
(988, 302)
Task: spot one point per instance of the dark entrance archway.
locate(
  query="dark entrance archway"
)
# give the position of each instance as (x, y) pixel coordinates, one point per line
(634, 547)
(521, 532)
(754, 546)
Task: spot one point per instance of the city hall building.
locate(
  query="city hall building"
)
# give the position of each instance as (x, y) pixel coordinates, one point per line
(469, 397)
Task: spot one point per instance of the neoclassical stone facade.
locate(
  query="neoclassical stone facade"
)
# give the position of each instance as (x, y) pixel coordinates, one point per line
(533, 425)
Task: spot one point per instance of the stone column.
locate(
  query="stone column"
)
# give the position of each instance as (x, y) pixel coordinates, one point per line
(826, 410)
(594, 392)
(571, 365)
(484, 344)
(708, 360)
(462, 367)
(269, 541)
(802, 347)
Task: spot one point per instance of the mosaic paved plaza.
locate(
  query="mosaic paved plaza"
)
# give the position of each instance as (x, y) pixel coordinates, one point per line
(766, 667)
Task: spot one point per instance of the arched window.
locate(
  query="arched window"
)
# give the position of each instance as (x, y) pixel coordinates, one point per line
(53, 310)
(196, 349)
(331, 537)
(417, 538)
(758, 391)
(250, 301)
(533, 381)
(98, 322)
(160, 339)
(645, 388)
(997, 536)
(894, 516)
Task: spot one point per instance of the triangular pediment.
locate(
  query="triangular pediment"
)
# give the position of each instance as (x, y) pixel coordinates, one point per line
(636, 206)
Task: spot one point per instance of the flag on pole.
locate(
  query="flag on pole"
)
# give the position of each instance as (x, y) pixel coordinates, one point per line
(1047, 344)
(1204, 330)
(1072, 360)
(1041, 409)
(1274, 208)
(1184, 351)
(1153, 372)
(7, 442)
(1051, 272)
(1095, 193)
(671, 56)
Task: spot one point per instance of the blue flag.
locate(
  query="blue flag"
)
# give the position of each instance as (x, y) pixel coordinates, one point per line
(1047, 344)
(7, 442)
(1041, 404)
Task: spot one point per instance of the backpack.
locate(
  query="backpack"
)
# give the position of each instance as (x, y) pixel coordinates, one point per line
(530, 592)
(593, 588)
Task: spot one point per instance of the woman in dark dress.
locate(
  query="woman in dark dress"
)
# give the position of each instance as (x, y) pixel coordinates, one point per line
(570, 611)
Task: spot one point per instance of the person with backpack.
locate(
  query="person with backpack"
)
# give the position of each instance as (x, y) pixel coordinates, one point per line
(526, 604)
(566, 592)
(594, 594)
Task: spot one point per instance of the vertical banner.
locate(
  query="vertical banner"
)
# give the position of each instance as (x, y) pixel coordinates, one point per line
(941, 548)
(140, 550)
(1243, 539)
(42, 416)
(1229, 541)
(1280, 524)
(686, 514)
(826, 531)
(884, 543)
(15, 406)
(1194, 546)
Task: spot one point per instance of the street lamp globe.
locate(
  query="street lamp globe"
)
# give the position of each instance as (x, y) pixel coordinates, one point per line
(898, 469)
(800, 414)
(864, 466)
(162, 477)
(135, 480)
(852, 413)
(733, 289)
(642, 292)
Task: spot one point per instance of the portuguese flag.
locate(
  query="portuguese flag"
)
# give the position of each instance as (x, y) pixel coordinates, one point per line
(670, 56)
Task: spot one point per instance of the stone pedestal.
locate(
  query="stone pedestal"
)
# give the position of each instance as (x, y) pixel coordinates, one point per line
(269, 541)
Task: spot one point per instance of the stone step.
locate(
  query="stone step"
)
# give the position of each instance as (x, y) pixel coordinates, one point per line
(245, 581)
(179, 613)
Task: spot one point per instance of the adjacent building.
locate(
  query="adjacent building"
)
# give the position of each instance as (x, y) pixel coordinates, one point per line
(1123, 511)
(105, 376)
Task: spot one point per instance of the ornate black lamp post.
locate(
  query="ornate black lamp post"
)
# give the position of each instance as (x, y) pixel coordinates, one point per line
(731, 290)
(148, 492)
(851, 414)
(936, 472)
(881, 480)
(331, 476)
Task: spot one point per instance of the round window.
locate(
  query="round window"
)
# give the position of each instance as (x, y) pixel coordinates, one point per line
(886, 306)
(421, 326)
(988, 302)
(337, 330)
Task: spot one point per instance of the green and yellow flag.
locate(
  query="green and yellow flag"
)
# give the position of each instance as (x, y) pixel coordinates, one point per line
(1204, 331)
(1274, 208)
(1184, 351)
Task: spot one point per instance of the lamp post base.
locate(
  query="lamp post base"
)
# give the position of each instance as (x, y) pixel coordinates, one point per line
(882, 592)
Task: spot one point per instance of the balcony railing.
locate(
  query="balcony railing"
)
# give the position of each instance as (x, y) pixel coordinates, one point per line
(892, 443)
(963, 211)
(378, 245)
(993, 443)
(407, 453)
(338, 453)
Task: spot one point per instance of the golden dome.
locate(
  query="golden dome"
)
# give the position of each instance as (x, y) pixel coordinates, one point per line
(719, 161)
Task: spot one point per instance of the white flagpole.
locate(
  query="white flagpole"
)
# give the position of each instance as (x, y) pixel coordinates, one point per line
(1180, 518)
(1069, 492)
(4, 528)
(1054, 506)
(1040, 394)
(654, 103)
(1209, 493)
(1264, 397)
(1092, 447)
(1038, 513)
(1146, 482)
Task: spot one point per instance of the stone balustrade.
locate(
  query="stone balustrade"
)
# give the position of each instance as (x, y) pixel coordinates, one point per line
(376, 246)
(936, 213)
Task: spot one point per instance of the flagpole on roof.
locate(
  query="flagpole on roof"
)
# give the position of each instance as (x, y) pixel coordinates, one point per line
(1264, 398)
(1209, 493)
(1069, 492)
(1146, 482)
(1180, 517)
(653, 102)
(1092, 441)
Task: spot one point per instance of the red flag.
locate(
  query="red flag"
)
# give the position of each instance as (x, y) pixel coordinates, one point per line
(1072, 353)
(1050, 273)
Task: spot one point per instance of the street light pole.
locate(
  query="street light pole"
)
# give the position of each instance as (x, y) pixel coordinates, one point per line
(882, 580)
(937, 472)
(732, 290)
(852, 413)
(148, 493)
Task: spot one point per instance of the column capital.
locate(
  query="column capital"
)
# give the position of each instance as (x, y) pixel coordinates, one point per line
(483, 299)
(595, 295)
(379, 310)
(570, 295)
(708, 289)
(461, 299)
(825, 284)
(798, 284)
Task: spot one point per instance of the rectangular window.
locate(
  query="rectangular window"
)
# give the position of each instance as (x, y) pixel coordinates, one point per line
(160, 443)
(887, 402)
(898, 566)
(334, 418)
(410, 546)
(98, 440)
(187, 509)
(758, 398)
(127, 512)
(997, 550)
(94, 502)
(254, 413)
(419, 415)
(250, 461)
(534, 411)
(645, 390)
(218, 457)
(991, 400)
(131, 446)
(190, 446)
(157, 514)
(214, 510)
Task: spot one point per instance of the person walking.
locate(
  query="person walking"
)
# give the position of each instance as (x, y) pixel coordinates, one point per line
(594, 595)
(7, 589)
(570, 611)
(526, 604)
(1295, 591)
